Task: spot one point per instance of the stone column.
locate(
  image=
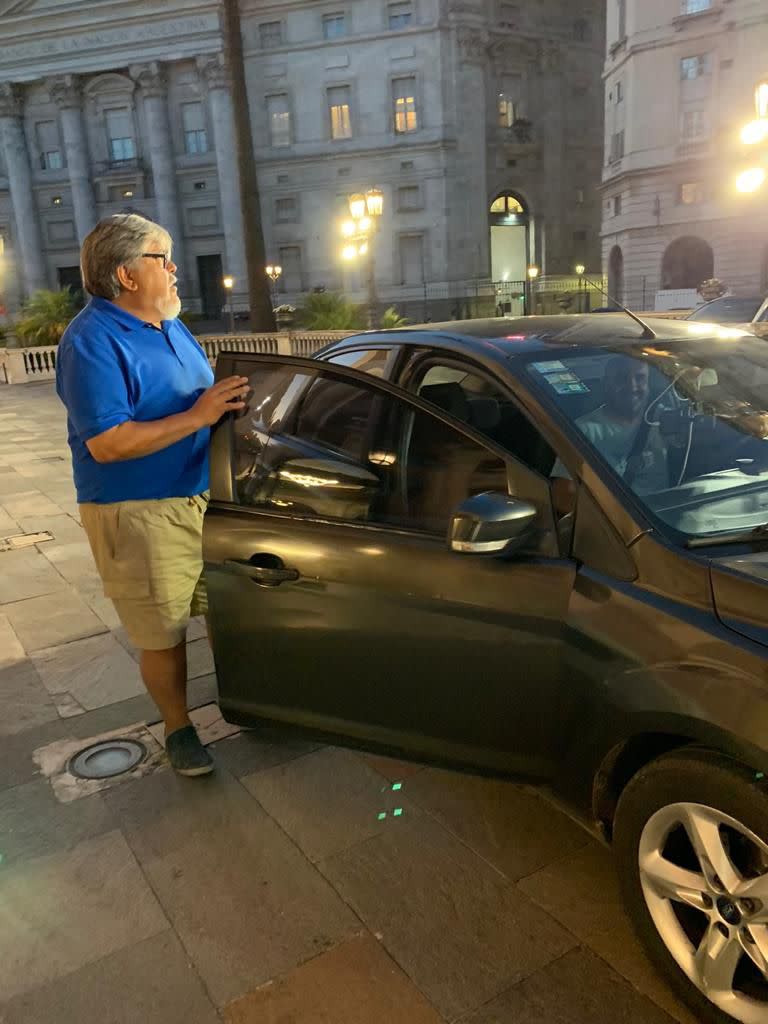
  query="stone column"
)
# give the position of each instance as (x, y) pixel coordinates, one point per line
(28, 242)
(470, 255)
(65, 92)
(219, 83)
(152, 81)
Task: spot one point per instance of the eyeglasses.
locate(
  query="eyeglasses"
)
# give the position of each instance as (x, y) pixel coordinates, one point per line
(158, 256)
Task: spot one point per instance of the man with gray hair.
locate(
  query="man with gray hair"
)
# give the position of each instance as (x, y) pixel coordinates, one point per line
(140, 402)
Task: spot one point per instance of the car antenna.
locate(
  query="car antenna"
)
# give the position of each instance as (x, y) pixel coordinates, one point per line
(648, 331)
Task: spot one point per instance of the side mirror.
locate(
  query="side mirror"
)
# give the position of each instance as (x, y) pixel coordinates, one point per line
(491, 524)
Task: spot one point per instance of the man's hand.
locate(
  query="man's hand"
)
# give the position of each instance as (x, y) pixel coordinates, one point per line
(134, 440)
(225, 396)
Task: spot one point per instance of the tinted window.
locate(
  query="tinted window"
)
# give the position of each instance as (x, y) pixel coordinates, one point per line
(476, 400)
(684, 424)
(350, 452)
(728, 310)
(373, 361)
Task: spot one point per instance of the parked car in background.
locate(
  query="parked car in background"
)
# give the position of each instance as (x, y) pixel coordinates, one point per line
(441, 543)
(732, 309)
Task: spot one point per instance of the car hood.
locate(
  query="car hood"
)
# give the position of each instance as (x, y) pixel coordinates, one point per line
(740, 593)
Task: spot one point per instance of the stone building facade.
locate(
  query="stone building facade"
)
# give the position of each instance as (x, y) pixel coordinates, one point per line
(680, 82)
(481, 120)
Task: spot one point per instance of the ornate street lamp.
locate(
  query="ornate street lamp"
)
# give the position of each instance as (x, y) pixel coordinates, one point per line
(365, 210)
(580, 271)
(756, 134)
(273, 273)
(229, 284)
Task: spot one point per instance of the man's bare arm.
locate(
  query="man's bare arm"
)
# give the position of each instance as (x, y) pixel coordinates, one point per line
(133, 440)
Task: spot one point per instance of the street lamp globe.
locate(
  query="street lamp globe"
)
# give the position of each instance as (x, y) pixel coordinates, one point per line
(533, 272)
(755, 132)
(348, 228)
(228, 282)
(751, 180)
(374, 202)
(357, 207)
(580, 269)
(349, 252)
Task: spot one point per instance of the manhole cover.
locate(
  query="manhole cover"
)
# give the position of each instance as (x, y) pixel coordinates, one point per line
(104, 760)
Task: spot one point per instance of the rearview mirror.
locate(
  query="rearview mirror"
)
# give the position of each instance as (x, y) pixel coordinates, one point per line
(491, 524)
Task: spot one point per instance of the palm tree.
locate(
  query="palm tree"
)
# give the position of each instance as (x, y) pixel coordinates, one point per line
(260, 300)
(44, 317)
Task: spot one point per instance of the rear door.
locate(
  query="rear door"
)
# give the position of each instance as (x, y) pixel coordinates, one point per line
(335, 601)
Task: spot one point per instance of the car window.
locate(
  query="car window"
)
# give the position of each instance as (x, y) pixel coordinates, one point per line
(354, 453)
(479, 401)
(728, 310)
(373, 361)
(684, 424)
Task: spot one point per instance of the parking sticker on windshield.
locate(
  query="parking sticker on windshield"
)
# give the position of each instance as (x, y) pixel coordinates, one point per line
(552, 367)
(570, 387)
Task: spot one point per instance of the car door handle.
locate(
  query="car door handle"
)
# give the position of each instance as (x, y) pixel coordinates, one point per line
(266, 576)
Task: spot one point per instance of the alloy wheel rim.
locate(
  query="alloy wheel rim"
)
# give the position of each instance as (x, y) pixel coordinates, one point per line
(704, 876)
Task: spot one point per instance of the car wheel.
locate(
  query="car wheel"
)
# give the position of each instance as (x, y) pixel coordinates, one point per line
(691, 842)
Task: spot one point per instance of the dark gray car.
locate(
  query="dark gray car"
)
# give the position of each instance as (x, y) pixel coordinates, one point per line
(536, 547)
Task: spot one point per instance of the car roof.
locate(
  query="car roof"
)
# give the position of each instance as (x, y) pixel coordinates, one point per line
(513, 336)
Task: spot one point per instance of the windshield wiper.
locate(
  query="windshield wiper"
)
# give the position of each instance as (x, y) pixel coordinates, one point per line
(758, 533)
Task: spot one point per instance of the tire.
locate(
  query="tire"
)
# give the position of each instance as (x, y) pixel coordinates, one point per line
(724, 806)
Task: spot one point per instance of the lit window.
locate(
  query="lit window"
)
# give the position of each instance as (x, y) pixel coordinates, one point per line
(696, 6)
(507, 205)
(400, 15)
(507, 111)
(404, 96)
(195, 135)
(271, 34)
(339, 110)
(334, 26)
(691, 193)
(693, 125)
(279, 118)
(694, 67)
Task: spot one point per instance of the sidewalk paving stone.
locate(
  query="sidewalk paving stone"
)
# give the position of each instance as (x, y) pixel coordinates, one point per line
(11, 649)
(33, 822)
(30, 503)
(577, 989)
(458, 928)
(94, 671)
(63, 528)
(243, 900)
(26, 704)
(149, 983)
(58, 912)
(326, 801)
(506, 824)
(581, 891)
(355, 983)
(58, 618)
(259, 749)
(27, 574)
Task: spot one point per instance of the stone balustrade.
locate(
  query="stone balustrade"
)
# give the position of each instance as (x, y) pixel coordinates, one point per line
(28, 365)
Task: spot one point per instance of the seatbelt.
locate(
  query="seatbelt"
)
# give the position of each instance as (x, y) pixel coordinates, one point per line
(634, 459)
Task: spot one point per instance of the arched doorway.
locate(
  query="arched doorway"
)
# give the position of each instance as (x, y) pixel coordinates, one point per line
(687, 262)
(616, 275)
(509, 222)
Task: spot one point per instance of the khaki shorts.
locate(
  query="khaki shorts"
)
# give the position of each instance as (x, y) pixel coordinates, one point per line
(150, 558)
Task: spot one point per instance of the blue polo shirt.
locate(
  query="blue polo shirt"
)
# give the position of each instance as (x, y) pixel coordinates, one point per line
(112, 367)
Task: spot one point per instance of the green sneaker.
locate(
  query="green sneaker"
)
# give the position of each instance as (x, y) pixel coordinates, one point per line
(187, 754)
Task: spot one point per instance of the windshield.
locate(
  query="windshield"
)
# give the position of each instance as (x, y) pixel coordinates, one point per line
(728, 310)
(683, 424)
